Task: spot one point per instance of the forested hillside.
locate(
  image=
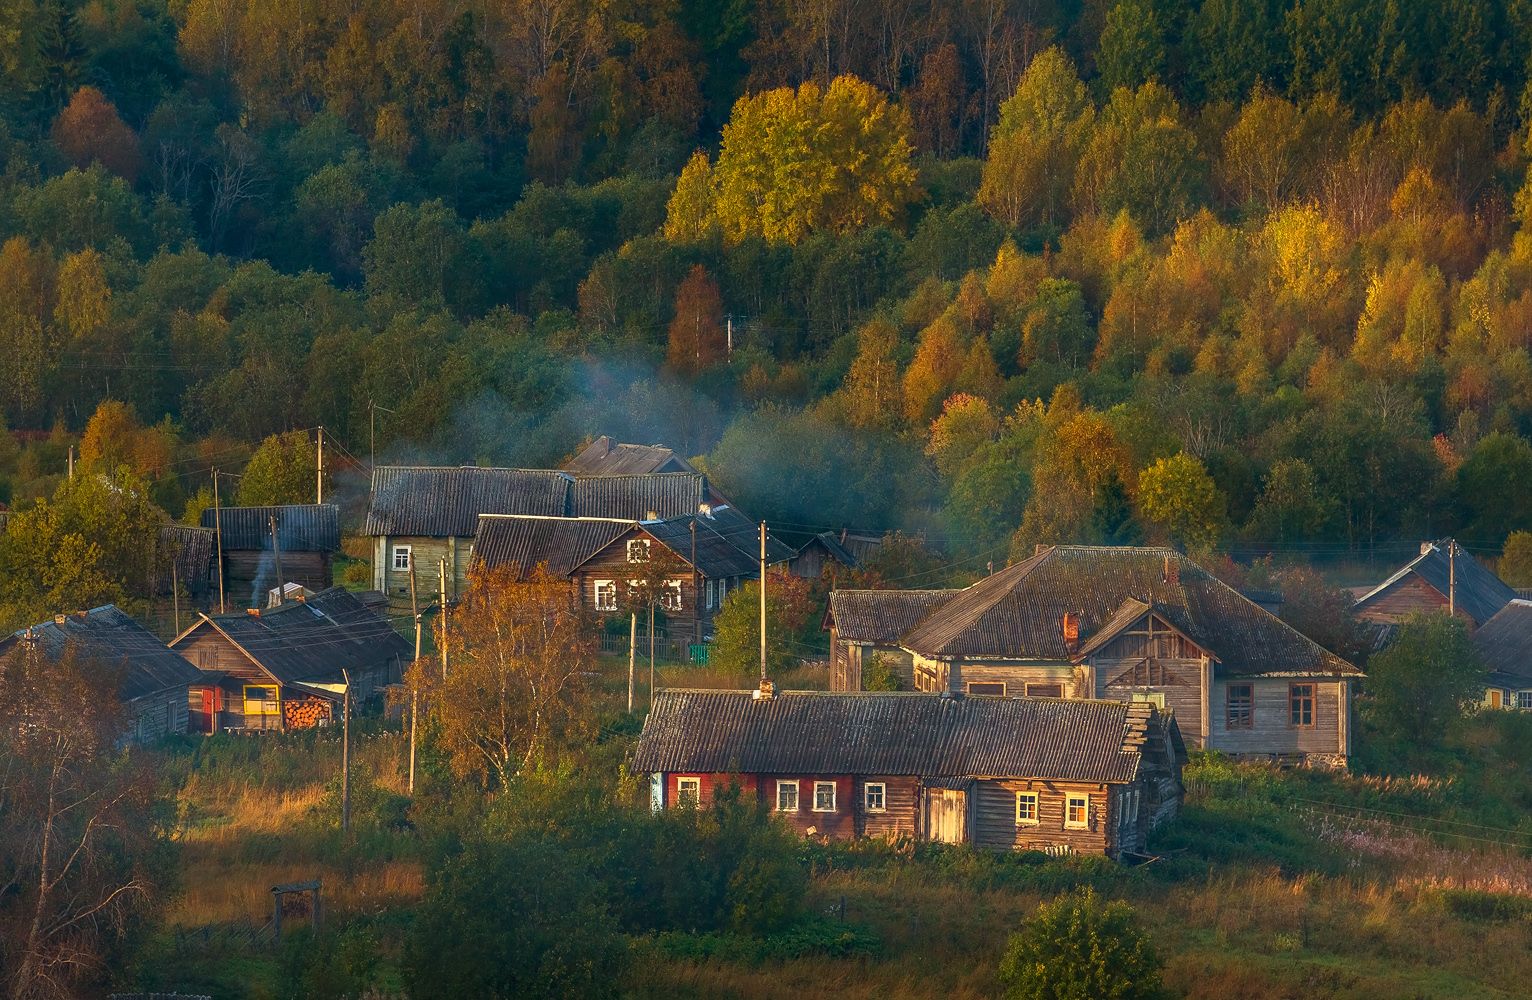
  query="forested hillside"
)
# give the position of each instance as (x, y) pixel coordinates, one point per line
(1251, 276)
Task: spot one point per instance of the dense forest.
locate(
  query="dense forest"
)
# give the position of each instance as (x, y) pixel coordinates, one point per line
(1249, 276)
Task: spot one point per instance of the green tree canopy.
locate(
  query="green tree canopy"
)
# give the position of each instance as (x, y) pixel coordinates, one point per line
(1078, 947)
(1419, 687)
(280, 472)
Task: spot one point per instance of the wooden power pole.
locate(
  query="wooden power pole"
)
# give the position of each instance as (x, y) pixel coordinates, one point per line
(414, 678)
(218, 542)
(442, 567)
(345, 754)
(763, 602)
(319, 469)
(632, 654)
(276, 550)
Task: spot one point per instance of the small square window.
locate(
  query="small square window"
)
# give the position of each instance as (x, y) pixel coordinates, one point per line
(689, 792)
(1300, 706)
(1239, 706)
(1026, 809)
(1077, 812)
(875, 797)
(787, 796)
(824, 796)
(402, 558)
(606, 595)
(638, 550)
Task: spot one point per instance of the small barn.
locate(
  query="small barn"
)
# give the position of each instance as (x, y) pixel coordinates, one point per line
(153, 679)
(1504, 644)
(1443, 577)
(275, 668)
(253, 541)
(1064, 777)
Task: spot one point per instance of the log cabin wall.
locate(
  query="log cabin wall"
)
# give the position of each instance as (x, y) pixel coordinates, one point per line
(1271, 730)
(995, 824)
(1409, 596)
(841, 824)
(208, 651)
(1048, 680)
(612, 564)
(428, 554)
(900, 816)
(248, 574)
(160, 713)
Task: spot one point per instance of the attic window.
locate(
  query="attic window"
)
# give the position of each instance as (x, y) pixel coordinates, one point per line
(638, 550)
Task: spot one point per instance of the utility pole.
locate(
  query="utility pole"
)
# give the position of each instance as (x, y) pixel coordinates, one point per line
(414, 679)
(632, 651)
(729, 327)
(763, 602)
(319, 469)
(696, 590)
(1452, 576)
(218, 541)
(175, 595)
(651, 651)
(372, 430)
(276, 549)
(345, 754)
(442, 568)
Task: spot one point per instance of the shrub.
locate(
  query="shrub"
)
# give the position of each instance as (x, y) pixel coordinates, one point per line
(1077, 948)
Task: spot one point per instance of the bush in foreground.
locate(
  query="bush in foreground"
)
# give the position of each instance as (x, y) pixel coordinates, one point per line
(1078, 948)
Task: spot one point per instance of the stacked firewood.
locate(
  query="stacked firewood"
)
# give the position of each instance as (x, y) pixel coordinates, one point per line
(305, 713)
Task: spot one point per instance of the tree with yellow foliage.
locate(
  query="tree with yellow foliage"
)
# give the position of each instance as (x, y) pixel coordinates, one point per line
(1177, 495)
(1036, 143)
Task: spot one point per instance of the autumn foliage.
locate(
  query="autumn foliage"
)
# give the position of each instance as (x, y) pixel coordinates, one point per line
(89, 131)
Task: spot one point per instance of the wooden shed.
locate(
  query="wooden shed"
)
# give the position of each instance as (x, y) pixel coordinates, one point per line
(307, 538)
(153, 679)
(261, 667)
(1053, 775)
(1136, 624)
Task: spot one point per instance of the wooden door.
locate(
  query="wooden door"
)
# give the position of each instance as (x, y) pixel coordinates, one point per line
(946, 815)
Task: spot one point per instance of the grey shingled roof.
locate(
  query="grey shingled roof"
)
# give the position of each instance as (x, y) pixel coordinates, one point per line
(1479, 592)
(560, 543)
(444, 502)
(147, 666)
(881, 617)
(660, 495)
(1018, 612)
(311, 527)
(606, 457)
(821, 732)
(312, 640)
(1504, 644)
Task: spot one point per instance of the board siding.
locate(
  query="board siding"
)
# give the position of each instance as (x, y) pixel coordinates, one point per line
(1270, 732)
(995, 817)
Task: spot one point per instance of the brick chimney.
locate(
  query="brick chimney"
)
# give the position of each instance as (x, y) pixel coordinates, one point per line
(1070, 628)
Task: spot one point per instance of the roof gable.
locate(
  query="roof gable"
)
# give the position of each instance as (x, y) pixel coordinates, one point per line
(1477, 591)
(1504, 642)
(607, 457)
(146, 665)
(563, 544)
(819, 732)
(1017, 612)
(313, 639)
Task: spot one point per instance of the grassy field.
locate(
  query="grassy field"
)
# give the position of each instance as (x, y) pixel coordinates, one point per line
(1271, 885)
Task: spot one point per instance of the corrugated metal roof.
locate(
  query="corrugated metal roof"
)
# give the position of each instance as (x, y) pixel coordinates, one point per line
(311, 527)
(313, 639)
(1505, 642)
(881, 616)
(109, 636)
(560, 543)
(1018, 612)
(640, 497)
(820, 732)
(445, 502)
(1478, 592)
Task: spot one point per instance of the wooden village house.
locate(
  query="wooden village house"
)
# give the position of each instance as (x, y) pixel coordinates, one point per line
(430, 514)
(276, 668)
(153, 680)
(307, 538)
(1133, 624)
(1504, 645)
(600, 555)
(1087, 776)
(1443, 577)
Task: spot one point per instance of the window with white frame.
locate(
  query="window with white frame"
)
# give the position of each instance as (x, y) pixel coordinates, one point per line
(638, 550)
(689, 792)
(1076, 812)
(1155, 698)
(875, 797)
(606, 595)
(824, 796)
(787, 796)
(1524, 700)
(670, 595)
(723, 587)
(712, 595)
(1026, 809)
(402, 558)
